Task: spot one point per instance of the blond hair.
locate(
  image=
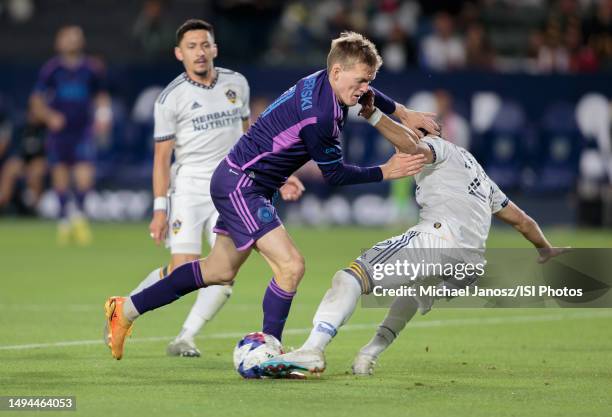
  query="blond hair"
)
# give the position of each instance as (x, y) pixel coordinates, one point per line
(352, 48)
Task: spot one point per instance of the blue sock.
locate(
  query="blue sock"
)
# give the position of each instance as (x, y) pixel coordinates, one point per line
(62, 197)
(276, 305)
(80, 200)
(183, 280)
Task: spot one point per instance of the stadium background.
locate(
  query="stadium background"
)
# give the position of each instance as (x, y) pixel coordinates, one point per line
(524, 85)
(530, 100)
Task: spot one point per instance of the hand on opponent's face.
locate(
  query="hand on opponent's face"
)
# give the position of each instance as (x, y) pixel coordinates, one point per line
(367, 104)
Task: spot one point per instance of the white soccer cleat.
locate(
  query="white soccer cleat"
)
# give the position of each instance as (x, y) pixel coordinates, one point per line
(311, 360)
(363, 364)
(183, 347)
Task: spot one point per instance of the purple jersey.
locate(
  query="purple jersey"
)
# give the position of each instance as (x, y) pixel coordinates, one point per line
(70, 91)
(303, 123)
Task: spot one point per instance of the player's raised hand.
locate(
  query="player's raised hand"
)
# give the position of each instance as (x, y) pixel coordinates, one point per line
(548, 253)
(402, 165)
(293, 189)
(158, 226)
(367, 104)
(416, 120)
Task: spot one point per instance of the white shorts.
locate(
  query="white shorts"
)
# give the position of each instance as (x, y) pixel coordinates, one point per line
(191, 212)
(378, 266)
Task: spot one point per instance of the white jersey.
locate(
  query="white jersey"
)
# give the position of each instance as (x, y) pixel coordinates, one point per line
(205, 121)
(456, 196)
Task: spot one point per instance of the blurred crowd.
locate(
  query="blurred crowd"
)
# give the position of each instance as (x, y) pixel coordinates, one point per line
(535, 36)
(527, 36)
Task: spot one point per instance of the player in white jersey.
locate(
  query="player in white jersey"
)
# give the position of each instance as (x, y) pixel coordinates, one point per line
(199, 117)
(457, 201)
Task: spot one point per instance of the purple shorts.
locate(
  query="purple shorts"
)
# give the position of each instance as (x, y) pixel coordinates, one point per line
(245, 208)
(70, 151)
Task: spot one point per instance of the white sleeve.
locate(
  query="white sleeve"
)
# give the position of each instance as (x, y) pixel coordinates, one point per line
(165, 121)
(439, 148)
(498, 199)
(245, 111)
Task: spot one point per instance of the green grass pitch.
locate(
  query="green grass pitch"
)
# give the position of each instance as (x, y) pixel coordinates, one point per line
(529, 362)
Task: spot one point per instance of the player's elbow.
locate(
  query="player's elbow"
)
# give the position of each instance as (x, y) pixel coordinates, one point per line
(407, 146)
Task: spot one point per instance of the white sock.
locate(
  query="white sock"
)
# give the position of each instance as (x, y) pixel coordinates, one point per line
(129, 310)
(400, 312)
(335, 309)
(207, 304)
(153, 277)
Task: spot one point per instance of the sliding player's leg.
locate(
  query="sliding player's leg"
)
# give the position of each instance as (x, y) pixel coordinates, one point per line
(341, 300)
(401, 312)
(404, 308)
(334, 310)
(219, 268)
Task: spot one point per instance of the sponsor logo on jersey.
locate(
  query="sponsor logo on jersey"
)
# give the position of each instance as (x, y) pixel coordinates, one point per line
(195, 105)
(176, 226)
(231, 96)
(216, 120)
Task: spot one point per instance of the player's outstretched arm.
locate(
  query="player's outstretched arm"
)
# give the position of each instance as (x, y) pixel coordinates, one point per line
(529, 228)
(402, 165)
(161, 181)
(403, 138)
(418, 122)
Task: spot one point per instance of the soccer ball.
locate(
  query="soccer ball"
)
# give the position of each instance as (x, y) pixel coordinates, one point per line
(253, 350)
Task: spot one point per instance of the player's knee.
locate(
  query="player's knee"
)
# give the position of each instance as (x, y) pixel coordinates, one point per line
(217, 274)
(342, 279)
(293, 269)
(226, 276)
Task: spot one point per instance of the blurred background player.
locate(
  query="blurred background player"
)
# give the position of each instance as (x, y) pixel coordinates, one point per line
(71, 100)
(457, 201)
(25, 160)
(198, 117)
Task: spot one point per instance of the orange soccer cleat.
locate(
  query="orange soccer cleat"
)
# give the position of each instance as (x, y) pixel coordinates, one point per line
(117, 326)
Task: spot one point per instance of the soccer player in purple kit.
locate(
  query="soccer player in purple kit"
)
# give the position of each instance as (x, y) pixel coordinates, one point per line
(70, 98)
(302, 124)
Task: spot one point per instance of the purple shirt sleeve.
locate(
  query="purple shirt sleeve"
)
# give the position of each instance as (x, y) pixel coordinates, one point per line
(45, 77)
(98, 79)
(326, 151)
(383, 102)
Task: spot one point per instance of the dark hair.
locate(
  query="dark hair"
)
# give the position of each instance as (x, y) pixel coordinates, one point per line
(193, 24)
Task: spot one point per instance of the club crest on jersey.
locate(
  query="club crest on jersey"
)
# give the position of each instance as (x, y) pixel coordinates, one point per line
(176, 226)
(231, 96)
